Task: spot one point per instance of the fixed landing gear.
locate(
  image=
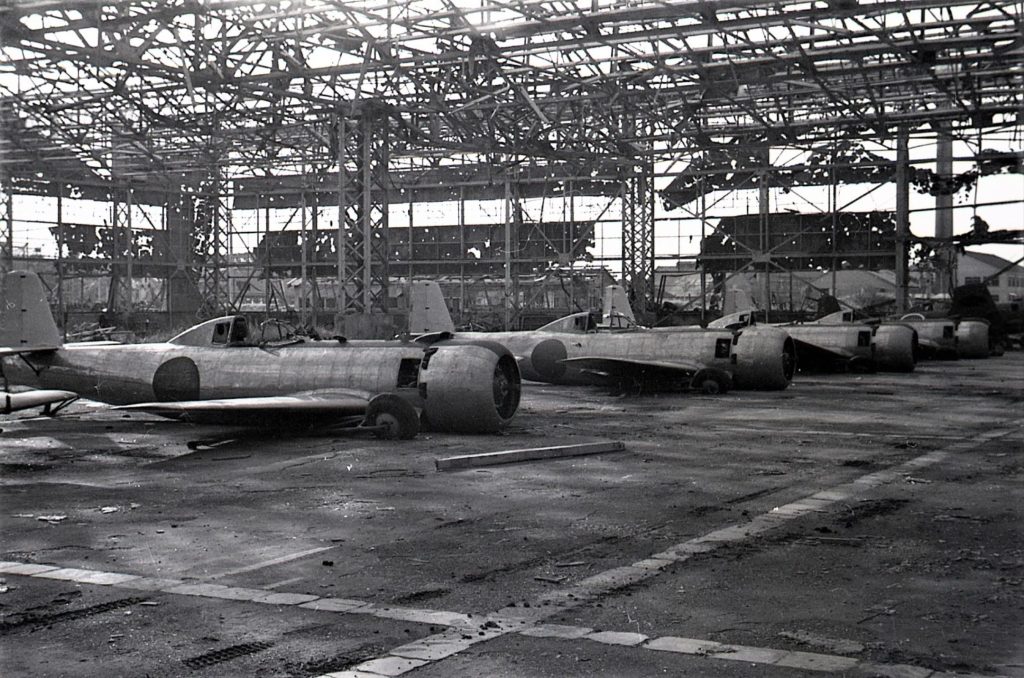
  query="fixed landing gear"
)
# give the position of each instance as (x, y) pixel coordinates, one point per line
(391, 417)
(711, 381)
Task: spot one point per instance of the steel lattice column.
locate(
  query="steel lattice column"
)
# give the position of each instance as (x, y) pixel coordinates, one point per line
(119, 296)
(362, 204)
(212, 223)
(638, 236)
(6, 200)
(215, 271)
(902, 218)
(6, 224)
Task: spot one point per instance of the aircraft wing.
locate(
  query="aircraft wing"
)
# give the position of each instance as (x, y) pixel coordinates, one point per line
(632, 367)
(387, 414)
(264, 411)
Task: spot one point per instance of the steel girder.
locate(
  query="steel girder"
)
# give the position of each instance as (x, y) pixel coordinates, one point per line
(122, 238)
(6, 200)
(362, 245)
(254, 85)
(533, 79)
(638, 236)
(210, 233)
(6, 224)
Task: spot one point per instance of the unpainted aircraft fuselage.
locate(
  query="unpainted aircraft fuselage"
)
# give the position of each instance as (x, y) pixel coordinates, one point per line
(757, 358)
(469, 387)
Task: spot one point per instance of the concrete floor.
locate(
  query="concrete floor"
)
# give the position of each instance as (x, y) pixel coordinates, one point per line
(856, 525)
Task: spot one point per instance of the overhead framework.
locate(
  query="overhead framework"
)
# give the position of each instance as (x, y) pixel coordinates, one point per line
(235, 89)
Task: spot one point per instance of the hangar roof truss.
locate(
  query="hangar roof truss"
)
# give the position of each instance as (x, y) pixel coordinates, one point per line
(133, 88)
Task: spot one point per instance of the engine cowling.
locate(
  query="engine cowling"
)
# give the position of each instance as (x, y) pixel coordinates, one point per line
(765, 358)
(469, 387)
(895, 347)
(972, 338)
(936, 338)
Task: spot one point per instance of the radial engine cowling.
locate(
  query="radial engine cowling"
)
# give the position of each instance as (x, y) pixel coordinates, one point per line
(972, 338)
(895, 348)
(469, 387)
(765, 358)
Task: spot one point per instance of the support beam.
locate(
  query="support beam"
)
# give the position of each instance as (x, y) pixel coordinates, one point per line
(363, 214)
(703, 272)
(184, 297)
(902, 218)
(638, 236)
(507, 325)
(341, 303)
(6, 197)
(119, 295)
(303, 258)
(944, 211)
(764, 240)
(6, 224)
(212, 224)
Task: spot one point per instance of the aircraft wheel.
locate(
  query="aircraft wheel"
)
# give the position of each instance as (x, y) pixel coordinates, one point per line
(399, 419)
(712, 381)
(862, 366)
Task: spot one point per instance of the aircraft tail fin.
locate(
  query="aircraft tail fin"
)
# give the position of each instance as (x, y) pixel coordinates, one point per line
(427, 311)
(26, 323)
(737, 299)
(615, 302)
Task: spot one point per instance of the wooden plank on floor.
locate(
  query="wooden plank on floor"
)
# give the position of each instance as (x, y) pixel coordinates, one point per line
(527, 454)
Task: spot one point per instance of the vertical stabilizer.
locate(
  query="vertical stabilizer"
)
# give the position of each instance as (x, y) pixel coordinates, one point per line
(427, 310)
(737, 299)
(26, 323)
(616, 303)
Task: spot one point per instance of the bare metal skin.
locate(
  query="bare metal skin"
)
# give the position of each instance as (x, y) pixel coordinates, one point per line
(463, 388)
(585, 349)
(820, 346)
(972, 338)
(895, 344)
(895, 348)
(851, 345)
(936, 336)
(565, 353)
(49, 400)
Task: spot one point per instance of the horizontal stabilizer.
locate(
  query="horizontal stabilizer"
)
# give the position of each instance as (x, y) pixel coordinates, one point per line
(268, 411)
(13, 402)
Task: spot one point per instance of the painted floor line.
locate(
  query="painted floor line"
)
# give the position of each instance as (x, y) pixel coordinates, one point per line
(440, 646)
(810, 661)
(839, 434)
(466, 630)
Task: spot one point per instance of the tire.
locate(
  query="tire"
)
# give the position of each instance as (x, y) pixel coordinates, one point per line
(712, 381)
(399, 420)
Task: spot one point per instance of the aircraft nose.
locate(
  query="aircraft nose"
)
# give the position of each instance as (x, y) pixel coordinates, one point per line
(546, 359)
